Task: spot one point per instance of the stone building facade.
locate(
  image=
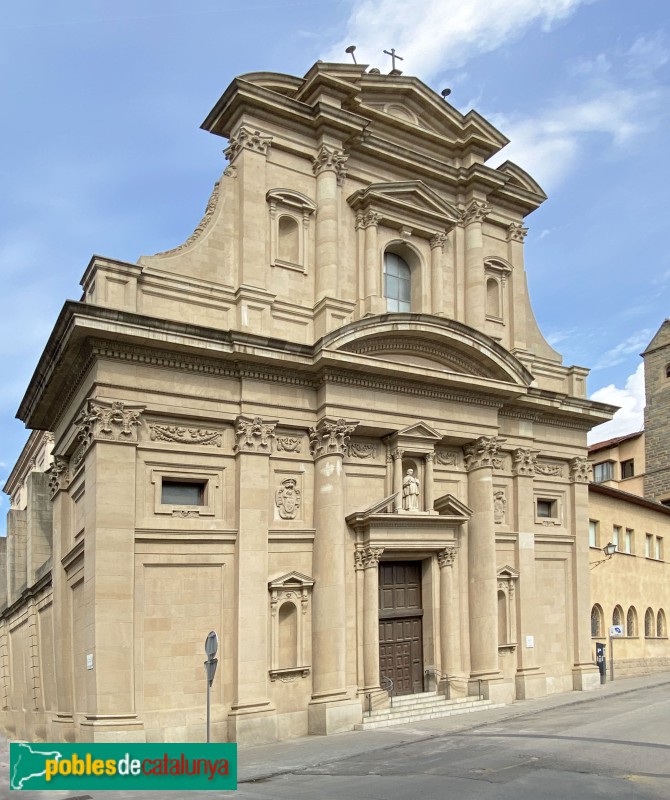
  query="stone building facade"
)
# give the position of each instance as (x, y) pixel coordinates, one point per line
(326, 426)
(657, 416)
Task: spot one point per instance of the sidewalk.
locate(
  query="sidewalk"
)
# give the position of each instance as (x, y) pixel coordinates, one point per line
(262, 762)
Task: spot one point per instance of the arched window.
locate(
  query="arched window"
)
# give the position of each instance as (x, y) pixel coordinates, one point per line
(597, 621)
(667, 370)
(661, 627)
(288, 239)
(397, 283)
(631, 622)
(288, 636)
(649, 626)
(617, 616)
(502, 618)
(492, 298)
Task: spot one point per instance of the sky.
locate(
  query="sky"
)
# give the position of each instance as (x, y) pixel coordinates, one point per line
(101, 150)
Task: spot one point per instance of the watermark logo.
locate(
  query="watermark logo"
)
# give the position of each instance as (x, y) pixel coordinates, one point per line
(159, 767)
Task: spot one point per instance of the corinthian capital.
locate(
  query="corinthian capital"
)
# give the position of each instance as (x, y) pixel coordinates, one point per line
(59, 475)
(524, 461)
(371, 556)
(253, 435)
(247, 139)
(483, 452)
(477, 211)
(516, 232)
(439, 240)
(447, 557)
(329, 437)
(329, 159)
(580, 470)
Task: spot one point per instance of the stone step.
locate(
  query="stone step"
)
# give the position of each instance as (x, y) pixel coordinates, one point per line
(427, 698)
(403, 716)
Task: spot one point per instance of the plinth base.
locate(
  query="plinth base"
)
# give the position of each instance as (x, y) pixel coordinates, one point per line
(333, 716)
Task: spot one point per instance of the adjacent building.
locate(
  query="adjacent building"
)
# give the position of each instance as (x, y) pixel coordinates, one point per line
(629, 506)
(326, 426)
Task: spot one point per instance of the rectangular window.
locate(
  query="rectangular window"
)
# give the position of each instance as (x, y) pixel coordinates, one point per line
(647, 545)
(546, 509)
(627, 469)
(183, 493)
(603, 471)
(616, 536)
(593, 533)
(659, 548)
(628, 548)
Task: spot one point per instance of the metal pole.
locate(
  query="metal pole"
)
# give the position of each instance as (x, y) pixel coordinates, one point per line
(208, 711)
(611, 659)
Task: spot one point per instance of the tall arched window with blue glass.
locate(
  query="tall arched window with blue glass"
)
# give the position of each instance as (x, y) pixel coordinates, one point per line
(397, 283)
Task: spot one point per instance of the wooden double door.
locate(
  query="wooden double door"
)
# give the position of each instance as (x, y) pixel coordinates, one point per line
(400, 625)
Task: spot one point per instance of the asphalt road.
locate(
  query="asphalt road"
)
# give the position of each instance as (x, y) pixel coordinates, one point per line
(613, 747)
(618, 747)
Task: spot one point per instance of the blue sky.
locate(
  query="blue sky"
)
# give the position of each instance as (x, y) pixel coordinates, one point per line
(102, 152)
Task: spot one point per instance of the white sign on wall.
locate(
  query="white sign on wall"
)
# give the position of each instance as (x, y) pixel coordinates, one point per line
(616, 630)
(530, 641)
(89, 661)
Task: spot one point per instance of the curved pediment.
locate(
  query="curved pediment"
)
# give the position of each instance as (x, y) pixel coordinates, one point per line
(420, 340)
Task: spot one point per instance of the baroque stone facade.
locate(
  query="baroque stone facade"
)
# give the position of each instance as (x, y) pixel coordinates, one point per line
(236, 421)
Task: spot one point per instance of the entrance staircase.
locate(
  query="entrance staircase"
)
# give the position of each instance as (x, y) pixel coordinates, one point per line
(418, 707)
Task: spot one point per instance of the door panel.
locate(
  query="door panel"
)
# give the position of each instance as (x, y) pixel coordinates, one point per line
(400, 627)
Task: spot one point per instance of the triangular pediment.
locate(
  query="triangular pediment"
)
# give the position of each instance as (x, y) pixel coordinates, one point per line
(291, 580)
(405, 200)
(507, 573)
(452, 507)
(421, 430)
(407, 100)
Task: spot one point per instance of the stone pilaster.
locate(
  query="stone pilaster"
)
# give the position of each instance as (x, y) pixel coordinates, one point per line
(328, 166)
(396, 455)
(450, 637)
(480, 457)
(247, 152)
(530, 681)
(374, 301)
(438, 275)
(516, 233)
(109, 566)
(584, 673)
(252, 717)
(428, 489)
(371, 556)
(475, 278)
(61, 728)
(331, 709)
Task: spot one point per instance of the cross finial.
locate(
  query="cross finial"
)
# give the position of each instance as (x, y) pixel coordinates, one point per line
(393, 55)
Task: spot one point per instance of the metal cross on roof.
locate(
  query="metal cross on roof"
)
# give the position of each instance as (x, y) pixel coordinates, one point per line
(393, 55)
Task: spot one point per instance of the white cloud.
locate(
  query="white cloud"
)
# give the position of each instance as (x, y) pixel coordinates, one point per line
(432, 34)
(548, 144)
(630, 416)
(635, 343)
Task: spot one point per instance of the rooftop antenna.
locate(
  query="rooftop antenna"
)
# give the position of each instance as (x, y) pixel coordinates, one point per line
(394, 56)
(350, 50)
(445, 93)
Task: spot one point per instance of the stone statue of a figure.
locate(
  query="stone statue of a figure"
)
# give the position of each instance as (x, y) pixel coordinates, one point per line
(410, 492)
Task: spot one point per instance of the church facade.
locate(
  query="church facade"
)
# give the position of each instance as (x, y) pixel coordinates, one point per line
(326, 426)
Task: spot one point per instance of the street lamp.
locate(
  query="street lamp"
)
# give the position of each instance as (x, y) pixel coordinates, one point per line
(609, 550)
